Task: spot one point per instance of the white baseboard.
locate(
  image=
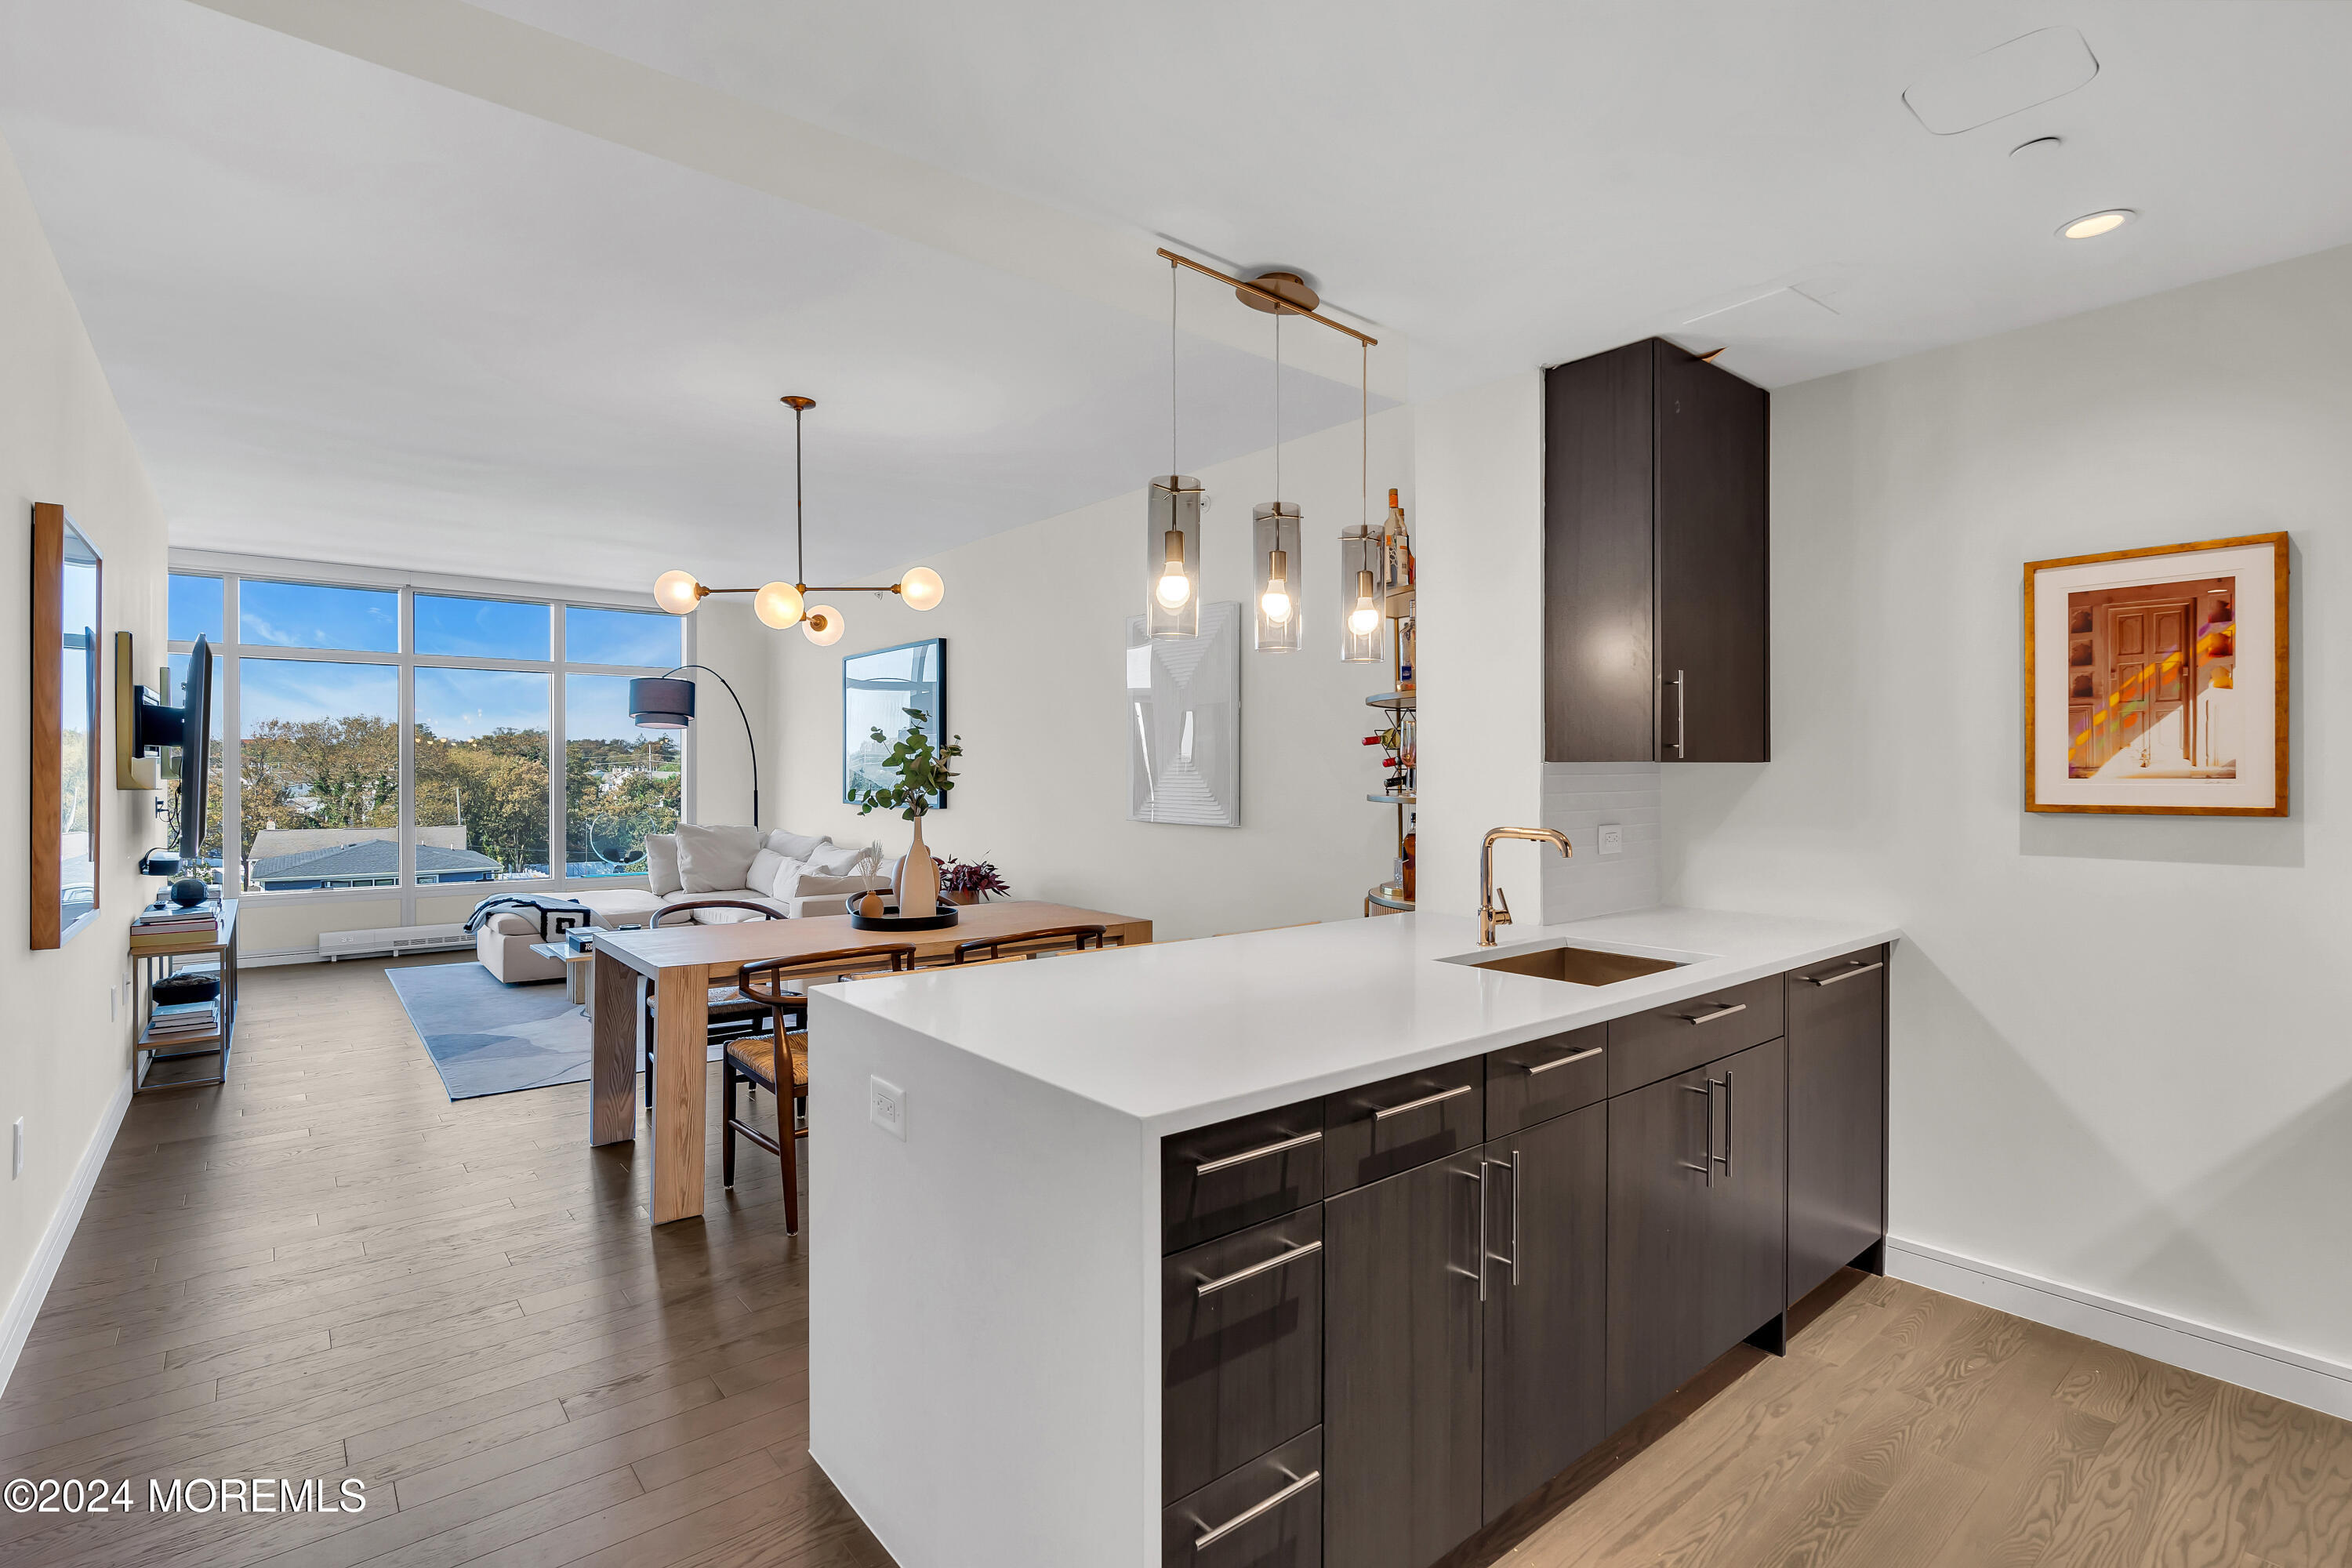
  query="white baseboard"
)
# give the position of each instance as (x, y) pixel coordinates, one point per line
(2322, 1385)
(33, 1289)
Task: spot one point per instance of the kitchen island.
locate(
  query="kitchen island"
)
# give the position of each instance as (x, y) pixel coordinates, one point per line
(1315, 1246)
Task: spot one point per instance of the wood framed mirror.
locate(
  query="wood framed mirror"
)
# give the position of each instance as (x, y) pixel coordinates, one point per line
(67, 593)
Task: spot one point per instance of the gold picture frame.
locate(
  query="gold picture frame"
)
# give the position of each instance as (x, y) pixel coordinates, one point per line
(2155, 680)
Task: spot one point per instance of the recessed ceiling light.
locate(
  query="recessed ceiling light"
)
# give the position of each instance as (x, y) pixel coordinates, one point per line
(2090, 226)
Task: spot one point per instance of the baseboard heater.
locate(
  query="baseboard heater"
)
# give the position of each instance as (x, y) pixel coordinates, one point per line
(392, 942)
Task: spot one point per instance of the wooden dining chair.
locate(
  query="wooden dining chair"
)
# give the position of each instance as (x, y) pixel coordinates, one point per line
(1028, 944)
(778, 1061)
(730, 1015)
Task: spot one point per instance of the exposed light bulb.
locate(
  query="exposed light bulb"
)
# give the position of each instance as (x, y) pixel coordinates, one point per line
(677, 592)
(778, 605)
(823, 625)
(1173, 587)
(1365, 619)
(922, 589)
(1276, 604)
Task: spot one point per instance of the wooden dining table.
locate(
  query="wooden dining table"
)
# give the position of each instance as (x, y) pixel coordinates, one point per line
(677, 965)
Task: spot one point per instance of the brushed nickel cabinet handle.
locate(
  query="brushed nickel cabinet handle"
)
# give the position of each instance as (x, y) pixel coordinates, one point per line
(1585, 1054)
(1682, 711)
(1247, 1155)
(1711, 1018)
(1728, 1113)
(1443, 1095)
(1706, 1166)
(1512, 1165)
(1257, 1511)
(1304, 1249)
(1848, 973)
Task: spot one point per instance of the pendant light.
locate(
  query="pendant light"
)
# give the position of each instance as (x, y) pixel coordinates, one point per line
(783, 606)
(1274, 528)
(1360, 549)
(1172, 526)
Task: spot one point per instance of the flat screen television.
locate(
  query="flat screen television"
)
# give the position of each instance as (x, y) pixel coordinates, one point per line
(195, 747)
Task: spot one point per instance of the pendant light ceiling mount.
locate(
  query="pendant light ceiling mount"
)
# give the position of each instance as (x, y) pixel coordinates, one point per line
(785, 604)
(1279, 294)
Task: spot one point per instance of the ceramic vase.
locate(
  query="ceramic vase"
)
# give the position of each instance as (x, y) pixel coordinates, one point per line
(918, 879)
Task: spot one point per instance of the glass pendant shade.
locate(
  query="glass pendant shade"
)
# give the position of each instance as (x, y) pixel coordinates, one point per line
(1274, 531)
(677, 592)
(922, 589)
(777, 605)
(1361, 609)
(1172, 556)
(823, 626)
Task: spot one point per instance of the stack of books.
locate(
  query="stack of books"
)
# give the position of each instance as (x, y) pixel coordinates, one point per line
(173, 1020)
(174, 929)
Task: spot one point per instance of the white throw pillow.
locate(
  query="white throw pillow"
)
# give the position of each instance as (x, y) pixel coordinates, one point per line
(514, 925)
(796, 846)
(841, 860)
(761, 877)
(661, 863)
(715, 859)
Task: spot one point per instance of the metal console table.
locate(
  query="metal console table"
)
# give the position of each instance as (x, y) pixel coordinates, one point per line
(152, 1050)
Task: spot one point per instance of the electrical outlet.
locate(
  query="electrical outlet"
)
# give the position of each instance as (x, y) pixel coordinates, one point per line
(886, 1107)
(17, 1151)
(1612, 838)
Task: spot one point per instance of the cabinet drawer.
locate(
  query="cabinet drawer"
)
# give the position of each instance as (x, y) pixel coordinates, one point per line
(1269, 1512)
(1216, 1180)
(1394, 1125)
(1543, 1078)
(1241, 1348)
(1675, 1039)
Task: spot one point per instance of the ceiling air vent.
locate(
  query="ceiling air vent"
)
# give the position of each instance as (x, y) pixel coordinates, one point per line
(2003, 80)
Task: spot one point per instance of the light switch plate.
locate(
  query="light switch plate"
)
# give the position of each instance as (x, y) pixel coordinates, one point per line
(1612, 838)
(886, 1107)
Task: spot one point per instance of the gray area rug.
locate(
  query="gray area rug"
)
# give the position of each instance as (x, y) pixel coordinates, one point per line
(486, 1037)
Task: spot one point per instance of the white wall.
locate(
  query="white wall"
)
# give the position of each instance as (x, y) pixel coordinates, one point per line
(1035, 626)
(730, 638)
(2120, 1044)
(1478, 456)
(64, 1051)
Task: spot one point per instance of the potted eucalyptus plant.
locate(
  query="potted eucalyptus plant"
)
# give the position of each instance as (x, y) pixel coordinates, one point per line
(924, 778)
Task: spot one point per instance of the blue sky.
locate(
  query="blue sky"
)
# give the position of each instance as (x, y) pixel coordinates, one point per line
(366, 620)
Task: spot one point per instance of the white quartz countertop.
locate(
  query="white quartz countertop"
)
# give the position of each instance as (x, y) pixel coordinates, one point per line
(1181, 1033)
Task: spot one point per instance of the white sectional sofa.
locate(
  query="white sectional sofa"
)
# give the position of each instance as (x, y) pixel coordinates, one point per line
(796, 874)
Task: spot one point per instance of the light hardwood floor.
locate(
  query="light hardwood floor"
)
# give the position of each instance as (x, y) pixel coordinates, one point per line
(327, 1270)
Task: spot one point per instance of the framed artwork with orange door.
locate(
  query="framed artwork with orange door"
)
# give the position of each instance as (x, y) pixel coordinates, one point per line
(2155, 680)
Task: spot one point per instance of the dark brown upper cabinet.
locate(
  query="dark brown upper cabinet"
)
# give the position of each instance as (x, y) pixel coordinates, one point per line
(1656, 625)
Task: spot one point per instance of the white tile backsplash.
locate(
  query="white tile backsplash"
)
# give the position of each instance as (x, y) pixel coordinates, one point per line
(1578, 797)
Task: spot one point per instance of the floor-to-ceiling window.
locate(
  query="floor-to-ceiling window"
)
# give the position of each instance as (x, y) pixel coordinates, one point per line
(379, 736)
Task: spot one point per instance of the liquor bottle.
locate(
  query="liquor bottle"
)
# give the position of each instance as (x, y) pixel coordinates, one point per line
(1399, 545)
(1408, 642)
(1405, 880)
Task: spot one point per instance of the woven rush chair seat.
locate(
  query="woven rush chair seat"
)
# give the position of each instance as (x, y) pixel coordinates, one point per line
(767, 1060)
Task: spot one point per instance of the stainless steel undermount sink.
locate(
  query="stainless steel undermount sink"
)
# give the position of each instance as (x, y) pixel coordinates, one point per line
(1575, 965)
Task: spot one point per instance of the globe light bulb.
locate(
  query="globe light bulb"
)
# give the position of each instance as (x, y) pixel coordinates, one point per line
(677, 592)
(1277, 605)
(922, 589)
(823, 625)
(1365, 619)
(1173, 588)
(778, 605)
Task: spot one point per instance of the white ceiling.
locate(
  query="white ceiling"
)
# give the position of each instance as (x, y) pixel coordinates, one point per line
(523, 280)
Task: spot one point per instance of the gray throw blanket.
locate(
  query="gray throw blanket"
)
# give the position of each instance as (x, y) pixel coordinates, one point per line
(539, 904)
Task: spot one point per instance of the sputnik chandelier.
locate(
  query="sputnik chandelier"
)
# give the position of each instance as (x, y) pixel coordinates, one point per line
(785, 604)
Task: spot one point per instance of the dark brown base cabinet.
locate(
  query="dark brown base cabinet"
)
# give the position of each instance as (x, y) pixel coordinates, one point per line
(1518, 1254)
(1698, 1222)
(1837, 1125)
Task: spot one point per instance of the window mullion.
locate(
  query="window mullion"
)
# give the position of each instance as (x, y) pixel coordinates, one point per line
(558, 827)
(407, 818)
(232, 750)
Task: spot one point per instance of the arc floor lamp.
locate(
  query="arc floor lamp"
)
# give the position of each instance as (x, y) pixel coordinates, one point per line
(662, 703)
